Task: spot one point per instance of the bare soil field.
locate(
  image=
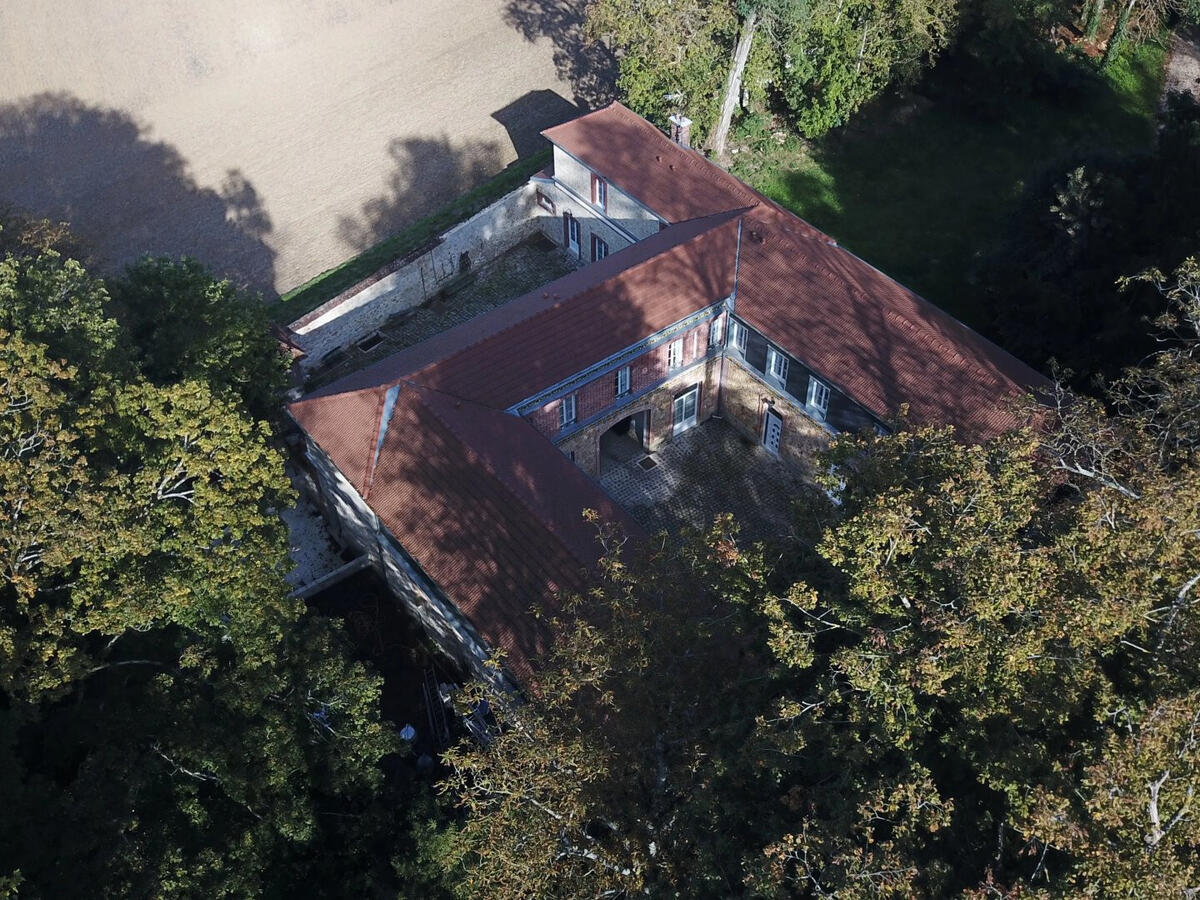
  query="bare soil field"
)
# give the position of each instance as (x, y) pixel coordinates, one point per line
(273, 139)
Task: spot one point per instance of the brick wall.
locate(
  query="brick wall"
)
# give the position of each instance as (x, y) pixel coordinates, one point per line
(599, 394)
(584, 444)
(743, 403)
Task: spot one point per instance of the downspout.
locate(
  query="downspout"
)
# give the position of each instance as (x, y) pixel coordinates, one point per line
(737, 262)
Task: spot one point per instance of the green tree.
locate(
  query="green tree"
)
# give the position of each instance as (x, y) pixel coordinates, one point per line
(622, 773)
(672, 55)
(183, 323)
(838, 54)
(172, 721)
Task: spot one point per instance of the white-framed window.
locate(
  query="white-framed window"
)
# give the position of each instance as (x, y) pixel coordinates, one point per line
(777, 365)
(566, 411)
(675, 354)
(716, 331)
(599, 193)
(622, 384)
(818, 397)
(684, 410)
(599, 248)
(737, 336)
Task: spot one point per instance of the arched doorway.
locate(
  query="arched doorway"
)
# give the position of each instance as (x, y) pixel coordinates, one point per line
(625, 441)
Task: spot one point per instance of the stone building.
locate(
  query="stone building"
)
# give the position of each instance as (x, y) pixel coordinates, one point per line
(462, 466)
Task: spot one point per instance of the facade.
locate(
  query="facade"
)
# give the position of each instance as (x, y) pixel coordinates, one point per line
(463, 465)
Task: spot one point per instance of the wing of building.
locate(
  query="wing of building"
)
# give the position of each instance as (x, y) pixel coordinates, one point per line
(463, 465)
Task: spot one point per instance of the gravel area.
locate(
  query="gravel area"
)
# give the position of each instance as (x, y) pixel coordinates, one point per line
(312, 549)
(1183, 68)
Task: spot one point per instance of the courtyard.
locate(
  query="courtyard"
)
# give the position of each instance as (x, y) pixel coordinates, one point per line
(707, 470)
(527, 266)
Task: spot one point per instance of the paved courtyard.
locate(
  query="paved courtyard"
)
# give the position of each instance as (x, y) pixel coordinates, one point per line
(273, 139)
(708, 470)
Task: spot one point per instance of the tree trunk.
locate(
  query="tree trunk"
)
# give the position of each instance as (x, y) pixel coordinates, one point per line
(733, 84)
(1095, 16)
(1120, 33)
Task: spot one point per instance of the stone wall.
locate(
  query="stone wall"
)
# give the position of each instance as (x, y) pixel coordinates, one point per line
(483, 237)
(354, 525)
(744, 399)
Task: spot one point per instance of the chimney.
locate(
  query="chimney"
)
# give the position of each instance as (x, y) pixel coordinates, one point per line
(681, 129)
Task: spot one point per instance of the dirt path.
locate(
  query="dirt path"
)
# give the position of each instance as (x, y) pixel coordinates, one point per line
(1183, 67)
(271, 139)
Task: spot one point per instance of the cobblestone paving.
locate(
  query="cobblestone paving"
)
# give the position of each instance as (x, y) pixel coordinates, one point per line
(708, 470)
(527, 266)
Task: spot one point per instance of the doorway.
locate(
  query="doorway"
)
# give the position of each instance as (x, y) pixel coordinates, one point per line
(685, 410)
(625, 441)
(772, 431)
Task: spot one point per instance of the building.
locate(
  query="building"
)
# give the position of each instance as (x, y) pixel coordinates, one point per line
(462, 465)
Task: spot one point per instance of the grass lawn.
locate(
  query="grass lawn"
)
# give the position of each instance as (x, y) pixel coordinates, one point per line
(332, 282)
(924, 198)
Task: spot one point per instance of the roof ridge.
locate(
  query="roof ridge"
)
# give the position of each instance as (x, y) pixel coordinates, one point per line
(725, 217)
(373, 456)
(497, 475)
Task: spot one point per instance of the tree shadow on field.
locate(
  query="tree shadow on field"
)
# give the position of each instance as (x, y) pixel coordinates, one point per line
(126, 195)
(588, 66)
(427, 174)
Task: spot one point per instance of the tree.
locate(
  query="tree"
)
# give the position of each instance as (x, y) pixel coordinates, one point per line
(672, 55)
(622, 772)
(1057, 284)
(838, 54)
(172, 721)
(826, 57)
(183, 323)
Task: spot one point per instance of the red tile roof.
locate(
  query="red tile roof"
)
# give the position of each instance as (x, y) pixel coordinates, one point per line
(589, 314)
(676, 183)
(490, 509)
(871, 337)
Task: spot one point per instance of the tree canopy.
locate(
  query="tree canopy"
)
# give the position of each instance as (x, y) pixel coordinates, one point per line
(172, 722)
(972, 672)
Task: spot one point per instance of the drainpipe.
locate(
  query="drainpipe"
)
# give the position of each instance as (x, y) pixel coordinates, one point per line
(737, 261)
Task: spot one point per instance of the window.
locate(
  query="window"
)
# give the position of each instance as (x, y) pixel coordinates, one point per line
(622, 385)
(777, 365)
(818, 398)
(599, 193)
(545, 202)
(737, 334)
(571, 234)
(675, 354)
(566, 411)
(599, 248)
(683, 413)
(716, 332)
